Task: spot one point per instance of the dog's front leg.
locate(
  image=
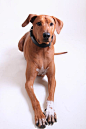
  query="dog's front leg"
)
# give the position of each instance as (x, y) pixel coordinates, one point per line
(49, 111)
(31, 74)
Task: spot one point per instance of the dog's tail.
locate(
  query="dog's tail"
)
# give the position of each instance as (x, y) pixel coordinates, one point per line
(21, 42)
(60, 53)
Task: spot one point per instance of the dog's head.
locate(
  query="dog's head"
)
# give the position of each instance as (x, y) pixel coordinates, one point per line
(44, 27)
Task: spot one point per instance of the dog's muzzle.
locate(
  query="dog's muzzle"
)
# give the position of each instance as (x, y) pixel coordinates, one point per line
(45, 35)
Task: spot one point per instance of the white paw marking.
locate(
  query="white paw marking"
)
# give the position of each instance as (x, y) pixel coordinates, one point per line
(31, 87)
(40, 122)
(50, 109)
(42, 71)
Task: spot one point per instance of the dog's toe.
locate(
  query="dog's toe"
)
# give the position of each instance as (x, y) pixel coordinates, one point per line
(37, 124)
(51, 117)
(46, 122)
(52, 120)
(41, 122)
(42, 126)
(49, 120)
(55, 117)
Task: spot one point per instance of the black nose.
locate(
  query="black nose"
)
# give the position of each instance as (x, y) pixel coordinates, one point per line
(46, 35)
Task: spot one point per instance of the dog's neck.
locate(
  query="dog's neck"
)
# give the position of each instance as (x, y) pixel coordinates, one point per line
(43, 45)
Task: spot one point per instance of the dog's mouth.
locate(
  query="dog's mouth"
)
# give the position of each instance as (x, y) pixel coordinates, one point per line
(46, 41)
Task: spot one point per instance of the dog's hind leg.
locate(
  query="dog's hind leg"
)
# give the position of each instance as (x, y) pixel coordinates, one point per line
(21, 42)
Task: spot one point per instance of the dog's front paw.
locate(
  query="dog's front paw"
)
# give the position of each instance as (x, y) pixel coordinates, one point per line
(50, 114)
(40, 120)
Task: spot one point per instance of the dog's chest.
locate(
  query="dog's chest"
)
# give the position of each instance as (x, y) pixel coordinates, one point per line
(42, 71)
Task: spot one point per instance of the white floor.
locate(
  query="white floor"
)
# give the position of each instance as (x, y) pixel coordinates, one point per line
(70, 96)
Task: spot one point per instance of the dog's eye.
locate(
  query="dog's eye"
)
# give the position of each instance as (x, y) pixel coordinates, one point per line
(51, 24)
(39, 23)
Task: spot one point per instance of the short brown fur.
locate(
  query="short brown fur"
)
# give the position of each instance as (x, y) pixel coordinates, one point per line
(37, 57)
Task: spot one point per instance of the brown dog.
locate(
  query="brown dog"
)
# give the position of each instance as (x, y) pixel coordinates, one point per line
(38, 47)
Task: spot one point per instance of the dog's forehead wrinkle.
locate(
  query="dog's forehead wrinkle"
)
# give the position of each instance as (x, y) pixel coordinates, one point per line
(44, 19)
(41, 18)
(49, 19)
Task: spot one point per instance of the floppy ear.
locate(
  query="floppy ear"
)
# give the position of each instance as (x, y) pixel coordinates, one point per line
(30, 18)
(59, 24)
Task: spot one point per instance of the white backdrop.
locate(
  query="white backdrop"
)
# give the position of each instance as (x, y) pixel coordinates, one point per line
(70, 97)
